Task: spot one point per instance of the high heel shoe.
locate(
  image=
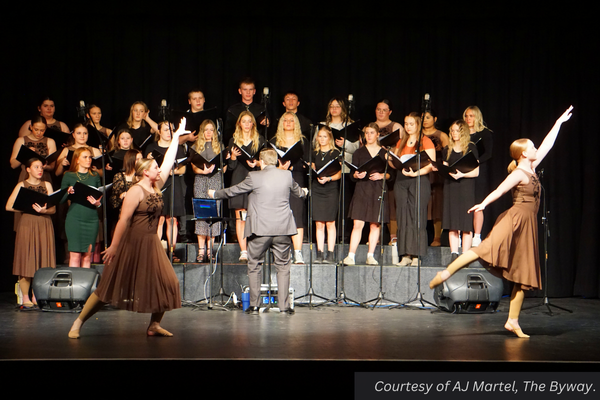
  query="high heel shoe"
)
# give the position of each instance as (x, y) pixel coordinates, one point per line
(517, 331)
(440, 278)
(74, 334)
(200, 257)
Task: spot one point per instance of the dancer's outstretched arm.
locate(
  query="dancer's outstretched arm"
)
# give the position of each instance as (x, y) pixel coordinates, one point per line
(512, 180)
(550, 138)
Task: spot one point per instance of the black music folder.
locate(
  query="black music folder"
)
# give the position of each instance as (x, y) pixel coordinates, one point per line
(374, 165)
(293, 154)
(329, 169)
(466, 163)
(26, 198)
(390, 140)
(25, 154)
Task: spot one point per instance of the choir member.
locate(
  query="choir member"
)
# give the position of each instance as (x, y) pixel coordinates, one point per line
(37, 142)
(288, 134)
(366, 203)
(81, 224)
(207, 178)
(412, 239)
(436, 202)
(46, 109)
(459, 189)
(246, 138)
(325, 195)
(484, 140)
(34, 242)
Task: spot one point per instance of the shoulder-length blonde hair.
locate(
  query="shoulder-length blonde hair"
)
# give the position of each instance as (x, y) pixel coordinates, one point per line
(279, 136)
(464, 140)
(200, 143)
(327, 130)
(479, 123)
(238, 135)
(130, 119)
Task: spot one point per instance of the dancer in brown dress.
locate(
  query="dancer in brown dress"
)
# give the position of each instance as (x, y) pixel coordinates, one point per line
(137, 274)
(511, 246)
(34, 243)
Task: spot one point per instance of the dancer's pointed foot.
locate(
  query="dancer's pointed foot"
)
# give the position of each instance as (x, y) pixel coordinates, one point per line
(440, 278)
(158, 331)
(516, 329)
(75, 328)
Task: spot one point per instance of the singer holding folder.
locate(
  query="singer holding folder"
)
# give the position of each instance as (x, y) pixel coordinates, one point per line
(459, 189)
(36, 141)
(245, 143)
(325, 193)
(206, 177)
(366, 201)
(82, 223)
(34, 242)
(412, 241)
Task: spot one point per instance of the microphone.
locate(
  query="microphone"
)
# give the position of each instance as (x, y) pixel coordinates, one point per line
(265, 96)
(426, 103)
(81, 111)
(540, 173)
(162, 111)
(219, 128)
(350, 103)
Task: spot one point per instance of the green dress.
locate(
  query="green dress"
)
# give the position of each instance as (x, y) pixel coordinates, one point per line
(81, 224)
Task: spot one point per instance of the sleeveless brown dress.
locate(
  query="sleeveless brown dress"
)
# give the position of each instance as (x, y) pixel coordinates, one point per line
(140, 277)
(512, 245)
(34, 243)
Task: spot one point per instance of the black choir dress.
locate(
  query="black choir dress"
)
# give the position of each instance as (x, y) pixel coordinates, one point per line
(298, 205)
(239, 171)
(365, 204)
(325, 197)
(459, 196)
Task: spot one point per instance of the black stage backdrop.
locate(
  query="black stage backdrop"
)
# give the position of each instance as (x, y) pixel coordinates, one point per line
(521, 72)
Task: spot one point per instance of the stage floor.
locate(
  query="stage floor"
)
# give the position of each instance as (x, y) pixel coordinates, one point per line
(331, 332)
(317, 353)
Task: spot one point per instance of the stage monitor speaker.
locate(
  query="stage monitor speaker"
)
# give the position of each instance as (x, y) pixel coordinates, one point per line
(65, 288)
(469, 291)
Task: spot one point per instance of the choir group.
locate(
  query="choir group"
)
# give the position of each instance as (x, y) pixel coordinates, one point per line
(397, 173)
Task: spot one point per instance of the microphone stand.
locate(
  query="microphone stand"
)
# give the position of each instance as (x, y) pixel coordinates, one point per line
(220, 247)
(104, 152)
(341, 298)
(418, 301)
(545, 301)
(311, 293)
(381, 295)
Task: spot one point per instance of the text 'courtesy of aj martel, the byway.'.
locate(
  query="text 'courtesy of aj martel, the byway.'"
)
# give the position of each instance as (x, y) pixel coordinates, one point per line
(392, 385)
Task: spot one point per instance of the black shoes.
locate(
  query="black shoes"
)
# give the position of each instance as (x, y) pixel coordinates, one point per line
(252, 310)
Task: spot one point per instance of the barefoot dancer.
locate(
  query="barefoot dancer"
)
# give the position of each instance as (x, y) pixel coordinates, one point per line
(511, 246)
(137, 274)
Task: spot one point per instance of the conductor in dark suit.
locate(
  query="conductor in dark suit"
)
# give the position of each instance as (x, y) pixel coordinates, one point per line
(269, 224)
